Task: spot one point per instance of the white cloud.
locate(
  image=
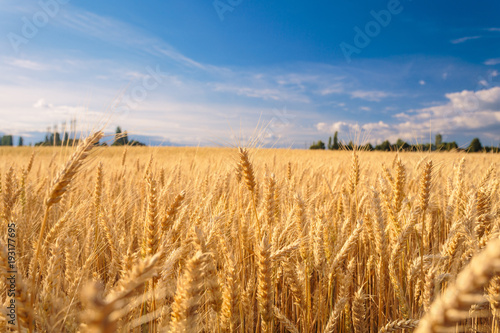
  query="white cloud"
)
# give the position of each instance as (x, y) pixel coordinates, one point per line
(464, 39)
(373, 95)
(262, 93)
(421, 82)
(365, 108)
(42, 104)
(491, 62)
(331, 90)
(26, 64)
(468, 112)
(340, 126)
(322, 127)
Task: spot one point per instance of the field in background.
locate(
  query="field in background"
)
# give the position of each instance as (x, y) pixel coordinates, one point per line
(217, 240)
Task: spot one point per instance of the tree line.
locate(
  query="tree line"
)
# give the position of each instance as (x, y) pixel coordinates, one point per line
(55, 139)
(400, 145)
(7, 140)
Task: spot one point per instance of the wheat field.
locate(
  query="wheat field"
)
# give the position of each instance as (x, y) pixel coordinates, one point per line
(248, 240)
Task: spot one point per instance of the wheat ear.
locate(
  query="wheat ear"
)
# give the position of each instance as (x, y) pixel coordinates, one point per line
(287, 323)
(102, 314)
(188, 295)
(455, 303)
(397, 325)
(247, 168)
(359, 312)
(264, 289)
(172, 212)
(58, 188)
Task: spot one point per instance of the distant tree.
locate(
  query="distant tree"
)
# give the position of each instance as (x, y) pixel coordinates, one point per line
(368, 147)
(384, 146)
(125, 138)
(439, 141)
(136, 143)
(335, 141)
(475, 145)
(20, 143)
(118, 137)
(402, 145)
(318, 145)
(7, 140)
(121, 138)
(451, 146)
(55, 139)
(330, 146)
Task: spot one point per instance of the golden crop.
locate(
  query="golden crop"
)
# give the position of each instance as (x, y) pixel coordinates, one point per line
(257, 240)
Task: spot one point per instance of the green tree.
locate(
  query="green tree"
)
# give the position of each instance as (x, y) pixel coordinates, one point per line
(20, 143)
(330, 146)
(7, 140)
(402, 145)
(384, 146)
(475, 145)
(118, 137)
(439, 141)
(318, 145)
(335, 141)
(451, 145)
(55, 139)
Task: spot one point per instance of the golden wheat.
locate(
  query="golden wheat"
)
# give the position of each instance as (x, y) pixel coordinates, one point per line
(248, 240)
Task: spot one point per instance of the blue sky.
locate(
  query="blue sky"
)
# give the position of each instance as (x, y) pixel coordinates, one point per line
(210, 72)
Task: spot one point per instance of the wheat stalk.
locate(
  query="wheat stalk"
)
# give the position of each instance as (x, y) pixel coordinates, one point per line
(58, 188)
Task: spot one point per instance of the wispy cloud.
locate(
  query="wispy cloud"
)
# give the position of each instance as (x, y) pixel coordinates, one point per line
(372, 95)
(27, 64)
(493, 61)
(265, 94)
(124, 35)
(464, 39)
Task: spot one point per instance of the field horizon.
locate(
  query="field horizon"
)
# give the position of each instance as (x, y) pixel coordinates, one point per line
(185, 239)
